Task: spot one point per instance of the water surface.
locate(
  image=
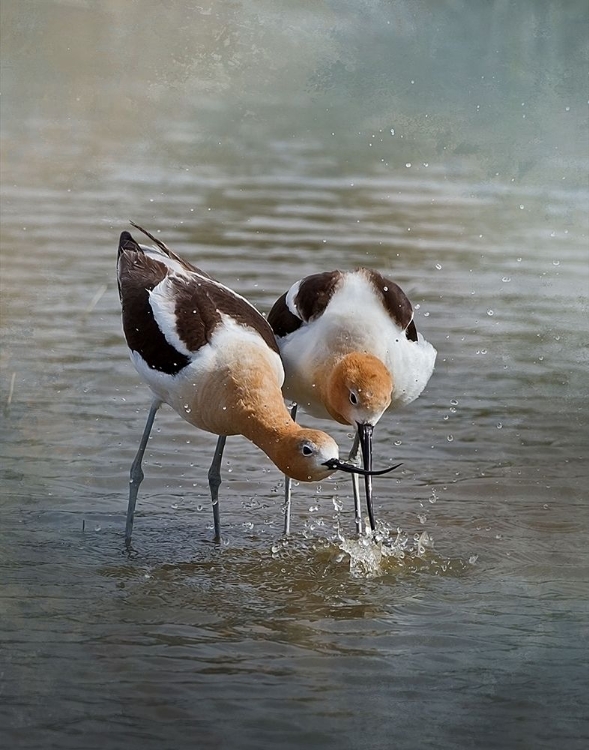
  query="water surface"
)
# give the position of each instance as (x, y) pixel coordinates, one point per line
(444, 144)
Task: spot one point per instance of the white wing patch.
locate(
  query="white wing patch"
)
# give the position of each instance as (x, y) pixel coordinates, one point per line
(172, 265)
(178, 269)
(163, 304)
(290, 299)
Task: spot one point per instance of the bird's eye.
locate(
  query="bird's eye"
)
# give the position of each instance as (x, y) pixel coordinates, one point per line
(307, 450)
(353, 398)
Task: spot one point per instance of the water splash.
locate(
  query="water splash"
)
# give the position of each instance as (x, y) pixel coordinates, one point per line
(373, 554)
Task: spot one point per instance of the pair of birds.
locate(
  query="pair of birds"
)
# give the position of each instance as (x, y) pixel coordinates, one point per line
(343, 344)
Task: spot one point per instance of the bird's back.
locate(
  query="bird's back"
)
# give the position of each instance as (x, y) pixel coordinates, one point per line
(181, 324)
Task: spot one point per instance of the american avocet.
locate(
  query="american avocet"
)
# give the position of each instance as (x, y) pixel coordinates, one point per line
(209, 354)
(350, 351)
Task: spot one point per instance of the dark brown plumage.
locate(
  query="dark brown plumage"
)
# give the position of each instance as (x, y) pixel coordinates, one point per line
(315, 292)
(198, 303)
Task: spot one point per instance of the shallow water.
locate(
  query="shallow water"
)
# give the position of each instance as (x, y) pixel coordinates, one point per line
(265, 145)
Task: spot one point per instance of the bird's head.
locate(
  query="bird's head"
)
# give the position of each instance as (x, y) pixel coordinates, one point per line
(359, 389)
(307, 455)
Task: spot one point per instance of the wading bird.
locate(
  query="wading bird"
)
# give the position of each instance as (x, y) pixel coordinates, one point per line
(350, 351)
(206, 352)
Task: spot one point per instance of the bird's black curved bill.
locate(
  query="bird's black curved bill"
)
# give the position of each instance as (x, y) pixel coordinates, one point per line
(365, 437)
(338, 465)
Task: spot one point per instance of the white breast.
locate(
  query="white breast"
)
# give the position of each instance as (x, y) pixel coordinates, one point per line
(354, 320)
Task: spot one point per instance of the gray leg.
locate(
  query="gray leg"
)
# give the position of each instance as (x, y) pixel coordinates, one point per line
(287, 484)
(136, 474)
(353, 457)
(214, 483)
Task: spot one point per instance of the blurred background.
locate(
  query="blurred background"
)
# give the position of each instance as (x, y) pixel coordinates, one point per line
(443, 142)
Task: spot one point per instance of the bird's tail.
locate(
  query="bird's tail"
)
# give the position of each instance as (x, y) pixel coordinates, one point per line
(161, 246)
